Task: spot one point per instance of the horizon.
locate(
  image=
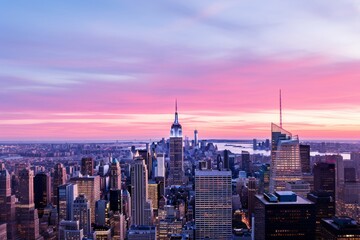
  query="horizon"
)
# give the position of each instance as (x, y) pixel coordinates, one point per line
(113, 70)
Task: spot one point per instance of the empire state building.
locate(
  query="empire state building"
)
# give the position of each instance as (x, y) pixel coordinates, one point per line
(176, 173)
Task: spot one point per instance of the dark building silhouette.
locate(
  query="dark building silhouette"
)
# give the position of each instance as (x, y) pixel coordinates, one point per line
(284, 215)
(115, 200)
(59, 178)
(42, 192)
(324, 208)
(245, 161)
(87, 166)
(340, 228)
(305, 158)
(226, 159)
(324, 178)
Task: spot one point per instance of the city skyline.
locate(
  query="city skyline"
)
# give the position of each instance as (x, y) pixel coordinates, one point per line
(107, 71)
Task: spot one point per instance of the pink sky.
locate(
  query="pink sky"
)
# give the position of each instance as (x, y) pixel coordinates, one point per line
(111, 77)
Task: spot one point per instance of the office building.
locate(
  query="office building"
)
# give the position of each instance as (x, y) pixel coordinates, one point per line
(283, 215)
(176, 171)
(196, 138)
(252, 190)
(102, 209)
(324, 178)
(160, 168)
(347, 202)
(82, 213)
(70, 230)
(285, 158)
(59, 178)
(301, 188)
(305, 158)
(245, 161)
(340, 228)
(142, 232)
(116, 200)
(42, 192)
(324, 208)
(7, 204)
(3, 231)
(87, 166)
(153, 194)
(26, 215)
(66, 195)
(90, 187)
(213, 204)
(139, 194)
(115, 174)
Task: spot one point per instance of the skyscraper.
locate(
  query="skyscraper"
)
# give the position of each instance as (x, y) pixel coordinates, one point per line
(213, 204)
(115, 174)
(42, 192)
(252, 189)
(70, 230)
(66, 195)
(59, 178)
(139, 193)
(87, 166)
(305, 158)
(176, 173)
(324, 178)
(283, 215)
(324, 208)
(285, 158)
(7, 204)
(196, 138)
(26, 215)
(82, 213)
(90, 187)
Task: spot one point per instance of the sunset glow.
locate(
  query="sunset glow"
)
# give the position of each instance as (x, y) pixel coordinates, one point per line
(100, 72)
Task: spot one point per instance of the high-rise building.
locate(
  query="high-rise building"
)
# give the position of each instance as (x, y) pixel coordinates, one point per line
(102, 209)
(87, 166)
(90, 187)
(324, 178)
(70, 230)
(59, 178)
(82, 213)
(142, 232)
(3, 230)
(42, 192)
(341, 228)
(7, 204)
(283, 215)
(160, 169)
(119, 226)
(347, 201)
(115, 174)
(176, 171)
(115, 200)
(26, 215)
(252, 190)
(213, 204)
(66, 195)
(301, 188)
(324, 208)
(305, 158)
(153, 194)
(285, 158)
(139, 193)
(196, 138)
(245, 161)
(355, 156)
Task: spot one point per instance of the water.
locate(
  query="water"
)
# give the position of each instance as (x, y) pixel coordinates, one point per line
(238, 147)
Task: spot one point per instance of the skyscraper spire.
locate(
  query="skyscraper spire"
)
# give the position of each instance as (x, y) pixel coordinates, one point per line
(176, 113)
(280, 110)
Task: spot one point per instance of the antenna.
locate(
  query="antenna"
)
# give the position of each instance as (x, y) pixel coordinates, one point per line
(280, 110)
(176, 105)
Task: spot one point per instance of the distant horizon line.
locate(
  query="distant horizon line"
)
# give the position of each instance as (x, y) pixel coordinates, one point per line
(159, 139)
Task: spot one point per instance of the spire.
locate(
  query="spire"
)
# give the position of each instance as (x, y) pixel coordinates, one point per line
(176, 113)
(280, 110)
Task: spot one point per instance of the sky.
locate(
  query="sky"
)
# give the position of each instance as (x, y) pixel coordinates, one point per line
(107, 70)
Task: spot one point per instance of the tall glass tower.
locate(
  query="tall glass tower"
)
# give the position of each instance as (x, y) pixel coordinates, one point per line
(285, 163)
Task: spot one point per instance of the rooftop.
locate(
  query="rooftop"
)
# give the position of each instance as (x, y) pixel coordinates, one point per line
(212, 173)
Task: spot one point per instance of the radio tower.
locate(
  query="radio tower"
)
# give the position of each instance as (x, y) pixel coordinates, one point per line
(280, 111)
